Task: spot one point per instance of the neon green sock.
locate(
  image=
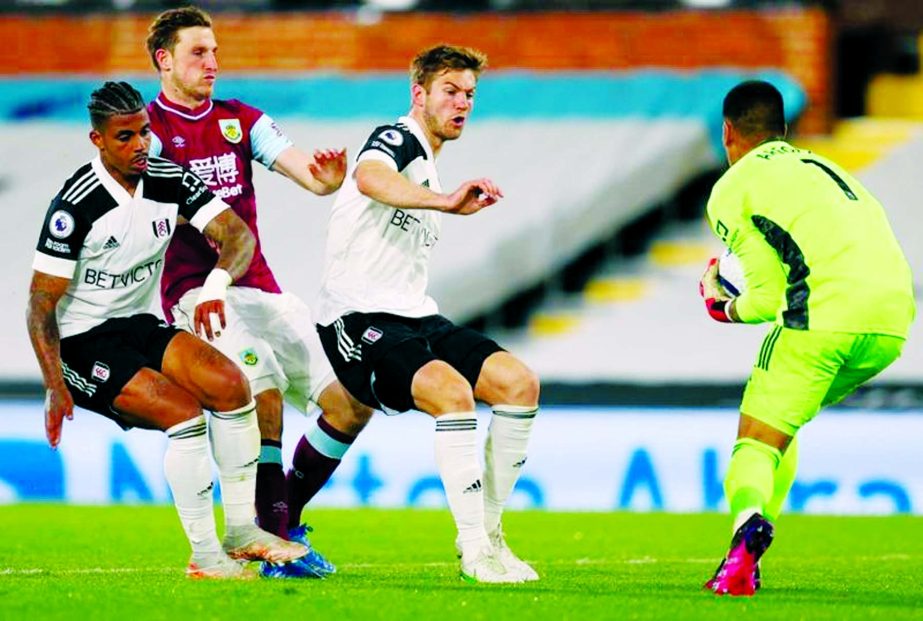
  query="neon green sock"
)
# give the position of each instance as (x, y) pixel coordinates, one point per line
(749, 483)
(784, 479)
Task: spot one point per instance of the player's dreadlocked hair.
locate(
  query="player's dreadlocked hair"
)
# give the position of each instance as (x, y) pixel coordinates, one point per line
(435, 60)
(163, 32)
(755, 109)
(113, 98)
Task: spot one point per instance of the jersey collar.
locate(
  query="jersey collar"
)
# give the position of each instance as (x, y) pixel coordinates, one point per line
(193, 114)
(762, 146)
(112, 186)
(417, 131)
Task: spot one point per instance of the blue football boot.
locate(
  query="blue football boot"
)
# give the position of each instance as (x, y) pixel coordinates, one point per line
(311, 565)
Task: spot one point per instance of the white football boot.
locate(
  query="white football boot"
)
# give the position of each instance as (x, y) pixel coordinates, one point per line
(484, 567)
(218, 567)
(251, 543)
(511, 562)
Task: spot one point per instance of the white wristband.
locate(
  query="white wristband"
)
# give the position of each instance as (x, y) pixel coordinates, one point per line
(215, 286)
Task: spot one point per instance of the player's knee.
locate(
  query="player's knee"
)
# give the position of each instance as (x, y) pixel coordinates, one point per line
(350, 419)
(342, 410)
(511, 383)
(524, 388)
(354, 417)
(453, 396)
(229, 389)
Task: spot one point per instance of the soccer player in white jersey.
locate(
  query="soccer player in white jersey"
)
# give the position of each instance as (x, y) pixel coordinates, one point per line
(384, 335)
(269, 333)
(91, 318)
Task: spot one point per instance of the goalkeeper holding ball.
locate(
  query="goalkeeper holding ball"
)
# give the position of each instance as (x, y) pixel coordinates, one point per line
(822, 264)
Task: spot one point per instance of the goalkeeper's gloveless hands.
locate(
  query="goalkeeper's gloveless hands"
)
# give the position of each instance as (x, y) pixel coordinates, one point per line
(717, 300)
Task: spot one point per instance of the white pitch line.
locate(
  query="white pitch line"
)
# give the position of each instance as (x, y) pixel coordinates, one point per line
(14, 571)
(581, 562)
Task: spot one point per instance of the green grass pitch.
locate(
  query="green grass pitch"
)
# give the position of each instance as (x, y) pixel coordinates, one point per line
(61, 562)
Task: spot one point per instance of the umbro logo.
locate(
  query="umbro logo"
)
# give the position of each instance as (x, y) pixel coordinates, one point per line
(520, 463)
(206, 492)
(473, 488)
(111, 243)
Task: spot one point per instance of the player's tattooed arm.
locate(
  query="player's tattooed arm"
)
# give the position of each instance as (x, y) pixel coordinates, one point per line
(235, 240)
(41, 319)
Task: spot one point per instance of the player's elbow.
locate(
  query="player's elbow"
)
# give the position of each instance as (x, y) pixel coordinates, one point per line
(365, 181)
(373, 179)
(760, 308)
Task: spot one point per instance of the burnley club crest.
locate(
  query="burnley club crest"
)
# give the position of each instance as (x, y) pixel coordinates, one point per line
(230, 129)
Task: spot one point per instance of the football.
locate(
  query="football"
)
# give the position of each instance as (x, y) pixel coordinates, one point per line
(731, 273)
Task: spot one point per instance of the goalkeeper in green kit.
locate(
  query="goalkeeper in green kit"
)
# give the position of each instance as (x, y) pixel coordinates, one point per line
(822, 264)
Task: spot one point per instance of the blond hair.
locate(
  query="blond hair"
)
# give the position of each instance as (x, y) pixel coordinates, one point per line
(438, 59)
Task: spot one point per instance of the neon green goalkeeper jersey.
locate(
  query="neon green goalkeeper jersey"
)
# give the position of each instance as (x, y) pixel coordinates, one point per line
(816, 248)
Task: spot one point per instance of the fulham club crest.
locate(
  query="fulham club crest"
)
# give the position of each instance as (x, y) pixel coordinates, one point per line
(161, 228)
(230, 129)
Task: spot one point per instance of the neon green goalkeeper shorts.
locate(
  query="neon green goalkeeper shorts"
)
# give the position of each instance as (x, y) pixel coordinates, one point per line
(798, 372)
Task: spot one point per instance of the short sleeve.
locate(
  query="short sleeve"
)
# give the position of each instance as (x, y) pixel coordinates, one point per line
(267, 141)
(193, 194)
(156, 147)
(61, 239)
(392, 145)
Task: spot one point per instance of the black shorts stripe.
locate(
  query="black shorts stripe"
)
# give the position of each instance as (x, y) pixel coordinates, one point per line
(768, 344)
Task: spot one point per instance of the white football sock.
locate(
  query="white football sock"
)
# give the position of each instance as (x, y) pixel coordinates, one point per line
(504, 456)
(188, 471)
(460, 471)
(235, 438)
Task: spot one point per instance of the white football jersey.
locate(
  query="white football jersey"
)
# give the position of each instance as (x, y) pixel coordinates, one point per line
(111, 244)
(377, 256)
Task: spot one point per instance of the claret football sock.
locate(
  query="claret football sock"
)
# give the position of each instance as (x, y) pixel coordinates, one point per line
(317, 455)
(235, 439)
(460, 471)
(750, 478)
(504, 456)
(188, 471)
(271, 498)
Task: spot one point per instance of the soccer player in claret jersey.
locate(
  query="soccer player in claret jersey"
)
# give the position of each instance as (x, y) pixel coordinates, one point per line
(820, 261)
(268, 333)
(100, 346)
(382, 332)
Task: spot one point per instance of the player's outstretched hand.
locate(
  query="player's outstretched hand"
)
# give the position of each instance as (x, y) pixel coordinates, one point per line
(58, 405)
(473, 196)
(709, 286)
(329, 168)
(204, 325)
